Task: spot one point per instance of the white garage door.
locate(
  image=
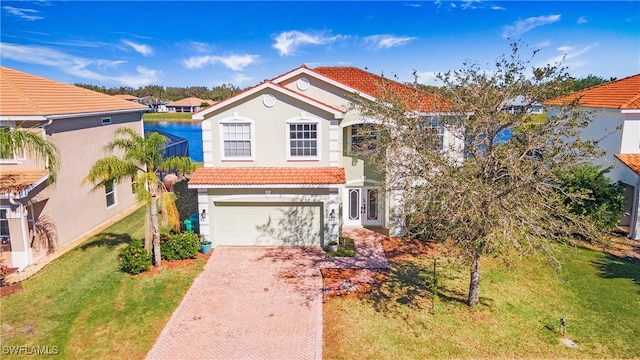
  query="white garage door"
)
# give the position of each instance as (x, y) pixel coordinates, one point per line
(272, 224)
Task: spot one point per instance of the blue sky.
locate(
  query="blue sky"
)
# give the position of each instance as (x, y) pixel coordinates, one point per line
(208, 43)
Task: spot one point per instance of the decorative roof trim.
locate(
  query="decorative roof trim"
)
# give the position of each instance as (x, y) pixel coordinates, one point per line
(338, 114)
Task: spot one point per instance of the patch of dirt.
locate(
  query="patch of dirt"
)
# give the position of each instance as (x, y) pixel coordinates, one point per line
(350, 283)
(619, 246)
(10, 289)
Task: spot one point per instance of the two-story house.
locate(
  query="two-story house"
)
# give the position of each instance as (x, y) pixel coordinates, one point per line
(615, 108)
(36, 217)
(282, 165)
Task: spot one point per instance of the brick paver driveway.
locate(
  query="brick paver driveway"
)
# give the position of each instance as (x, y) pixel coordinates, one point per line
(249, 303)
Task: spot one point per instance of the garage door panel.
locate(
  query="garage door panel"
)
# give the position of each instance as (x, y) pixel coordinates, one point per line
(259, 224)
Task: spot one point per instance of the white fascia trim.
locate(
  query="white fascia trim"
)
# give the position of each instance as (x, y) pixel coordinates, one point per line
(361, 121)
(97, 113)
(263, 186)
(200, 116)
(630, 111)
(309, 72)
(23, 118)
(297, 197)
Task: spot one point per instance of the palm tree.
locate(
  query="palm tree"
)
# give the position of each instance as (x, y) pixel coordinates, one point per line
(140, 158)
(17, 140)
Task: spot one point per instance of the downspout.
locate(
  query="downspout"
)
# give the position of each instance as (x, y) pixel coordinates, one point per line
(44, 136)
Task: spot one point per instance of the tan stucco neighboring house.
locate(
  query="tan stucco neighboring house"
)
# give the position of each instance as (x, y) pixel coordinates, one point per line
(37, 218)
(615, 107)
(281, 162)
(190, 105)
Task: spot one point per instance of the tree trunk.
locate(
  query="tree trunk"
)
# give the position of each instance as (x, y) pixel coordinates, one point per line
(474, 282)
(148, 232)
(156, 232)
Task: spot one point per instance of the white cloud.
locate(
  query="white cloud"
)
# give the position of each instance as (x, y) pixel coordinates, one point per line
(522, 26)
(496, 7)
(98, 70)
(569, 56)
(470, 4)
(582, 20)
(387, 41)
(26, 14)
(428, 78)
(233, 62)
(289, 41)
(144, 50)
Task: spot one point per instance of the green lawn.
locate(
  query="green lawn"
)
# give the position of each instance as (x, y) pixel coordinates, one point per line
(597, 294)
(82, 305)
(166, 116)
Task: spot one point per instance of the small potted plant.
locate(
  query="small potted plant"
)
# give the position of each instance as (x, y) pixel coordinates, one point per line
(4, 271)
(205, 245)
(332, 246)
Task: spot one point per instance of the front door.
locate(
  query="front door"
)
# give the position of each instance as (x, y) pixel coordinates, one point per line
(363, 207)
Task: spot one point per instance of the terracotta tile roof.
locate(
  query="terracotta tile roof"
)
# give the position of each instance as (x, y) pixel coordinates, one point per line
(15, 181)
(190, 101)
(126, 97)
(376, 85)
(268, 176)
(618, 94)
(23, 94)
(631, 160)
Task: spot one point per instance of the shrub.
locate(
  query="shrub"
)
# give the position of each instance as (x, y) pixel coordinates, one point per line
(179, 246)
(591, 193)
(134, 259)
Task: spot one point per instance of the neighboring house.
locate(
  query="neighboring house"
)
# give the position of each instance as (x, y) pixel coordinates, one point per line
(36, 218)
(190, 105)
(615, 107)
(520, 104)
(282, 165)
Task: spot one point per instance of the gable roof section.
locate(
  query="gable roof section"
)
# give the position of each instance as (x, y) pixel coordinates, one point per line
(375, 85)
(631, 160)
(27, 95)
(337, 113)
(623, 94)
(253, 176)
(371, 86)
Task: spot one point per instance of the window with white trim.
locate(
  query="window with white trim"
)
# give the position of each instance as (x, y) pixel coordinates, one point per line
(435, 131)
(110, 193)
(8, 154)
(362, 139)
(237, 140)
(303, 140)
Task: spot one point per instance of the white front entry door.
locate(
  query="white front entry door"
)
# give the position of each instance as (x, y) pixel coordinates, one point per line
(363, 207)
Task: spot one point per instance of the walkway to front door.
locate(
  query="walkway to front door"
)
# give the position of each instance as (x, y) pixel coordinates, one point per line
(258, 303)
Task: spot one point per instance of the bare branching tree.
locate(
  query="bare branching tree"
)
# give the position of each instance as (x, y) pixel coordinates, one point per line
(475, 175)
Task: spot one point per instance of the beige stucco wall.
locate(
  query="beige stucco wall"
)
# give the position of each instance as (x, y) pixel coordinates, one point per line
(269, 132)
(73, 208)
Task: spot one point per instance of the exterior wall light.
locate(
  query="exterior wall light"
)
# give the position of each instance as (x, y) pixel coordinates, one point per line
(203, 215)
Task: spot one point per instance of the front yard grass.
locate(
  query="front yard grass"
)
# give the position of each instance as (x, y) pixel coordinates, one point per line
(519, 315)
(84, 307)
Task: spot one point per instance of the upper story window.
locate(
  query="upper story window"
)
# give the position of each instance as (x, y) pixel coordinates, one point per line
(435, 132)
(362, 139)
(303, 140)
(237, 141)
(8, 153)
